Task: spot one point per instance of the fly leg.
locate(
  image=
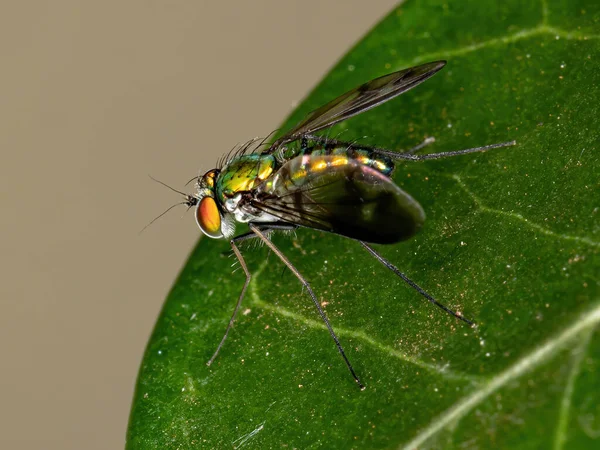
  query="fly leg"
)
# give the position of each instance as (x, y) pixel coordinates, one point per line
(305, 283)
(238, 254)
(412, 284)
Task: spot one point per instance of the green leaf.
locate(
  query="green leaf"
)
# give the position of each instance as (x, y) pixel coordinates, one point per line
(512, 240)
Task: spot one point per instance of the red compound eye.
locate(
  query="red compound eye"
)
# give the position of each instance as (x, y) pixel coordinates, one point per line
(209, 218)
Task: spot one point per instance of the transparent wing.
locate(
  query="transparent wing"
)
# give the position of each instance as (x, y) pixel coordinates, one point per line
(340, 196)
(362, 98)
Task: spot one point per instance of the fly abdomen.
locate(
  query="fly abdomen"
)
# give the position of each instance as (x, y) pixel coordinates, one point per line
(369, 158)
(338, 194)
(366, 157)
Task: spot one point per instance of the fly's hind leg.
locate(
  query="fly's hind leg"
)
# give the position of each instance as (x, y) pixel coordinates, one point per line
(412, 284)
(325, 140)
(410, 154)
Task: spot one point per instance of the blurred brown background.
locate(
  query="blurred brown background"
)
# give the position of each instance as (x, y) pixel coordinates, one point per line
(93, 97)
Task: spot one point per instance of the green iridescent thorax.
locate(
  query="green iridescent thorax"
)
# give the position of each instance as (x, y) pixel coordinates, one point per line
(244, 173)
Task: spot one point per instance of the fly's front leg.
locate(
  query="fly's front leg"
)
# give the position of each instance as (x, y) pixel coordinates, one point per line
(238, 254)
(242, 261)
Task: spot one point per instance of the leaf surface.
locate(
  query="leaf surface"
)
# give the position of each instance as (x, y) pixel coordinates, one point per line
(512, 240)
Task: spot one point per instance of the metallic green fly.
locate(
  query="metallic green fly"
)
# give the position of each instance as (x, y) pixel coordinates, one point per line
(308, 180)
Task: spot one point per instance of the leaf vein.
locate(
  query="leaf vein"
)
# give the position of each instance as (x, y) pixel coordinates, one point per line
(358, 335)
(519, 217)
(540, 30)
(521, 367)
(565, 406)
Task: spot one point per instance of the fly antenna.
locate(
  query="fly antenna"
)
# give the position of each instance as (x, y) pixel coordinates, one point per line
(192, 179)
(163, 213)
(167, 186)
